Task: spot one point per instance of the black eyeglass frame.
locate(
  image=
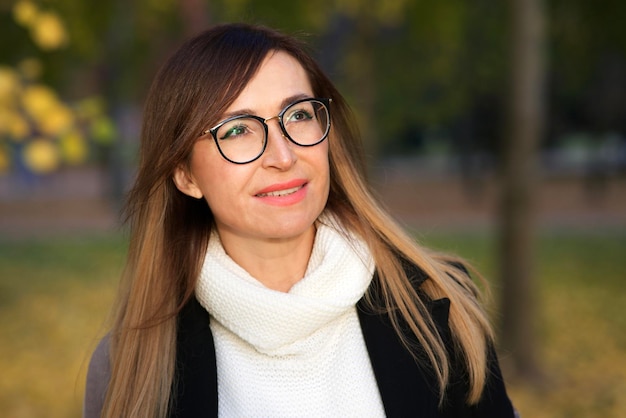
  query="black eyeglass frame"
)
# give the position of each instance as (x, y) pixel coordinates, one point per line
(213, 131)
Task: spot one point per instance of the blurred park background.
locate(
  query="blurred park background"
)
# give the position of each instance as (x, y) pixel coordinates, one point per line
(493, 130)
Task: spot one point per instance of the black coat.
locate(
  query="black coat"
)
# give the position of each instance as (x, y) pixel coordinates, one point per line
(406, 388)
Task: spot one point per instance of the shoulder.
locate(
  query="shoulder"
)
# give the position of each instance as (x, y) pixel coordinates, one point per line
(98, 375)
(495, 400)
(436, 310)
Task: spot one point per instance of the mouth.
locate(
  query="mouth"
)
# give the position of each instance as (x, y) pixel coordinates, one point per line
(281, 193)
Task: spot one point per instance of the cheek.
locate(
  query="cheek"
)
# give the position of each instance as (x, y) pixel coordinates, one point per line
(207, 173)
(220, 190)
(223, 186)
(214, 195)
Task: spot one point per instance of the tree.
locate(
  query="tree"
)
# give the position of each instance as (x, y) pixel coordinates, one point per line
(39, 131)
(519, 178)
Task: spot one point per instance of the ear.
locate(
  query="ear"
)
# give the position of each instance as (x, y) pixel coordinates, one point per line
(185, 182)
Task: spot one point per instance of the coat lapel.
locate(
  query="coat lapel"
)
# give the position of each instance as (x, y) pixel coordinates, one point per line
(196, 370)
(406, 389)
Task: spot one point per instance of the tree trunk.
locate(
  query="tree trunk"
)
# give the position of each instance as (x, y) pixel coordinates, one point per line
(519, 180)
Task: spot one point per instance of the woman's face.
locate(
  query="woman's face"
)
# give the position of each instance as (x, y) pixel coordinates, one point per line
(279, 195)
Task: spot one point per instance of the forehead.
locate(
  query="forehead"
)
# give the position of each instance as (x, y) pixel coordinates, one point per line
(280, 76)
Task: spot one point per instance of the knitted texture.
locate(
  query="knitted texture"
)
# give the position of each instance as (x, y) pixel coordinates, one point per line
(295, 354)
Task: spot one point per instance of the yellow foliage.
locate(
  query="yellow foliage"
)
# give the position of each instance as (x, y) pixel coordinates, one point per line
(38, 99)
(46, 27)
(41, 156)
(73, 148)
(56, 121)
(35, 109)
(9, 85)
(50, 114)
(17, 127)
(48, 31)
(29, 110)
(13, 124)
(25, 12)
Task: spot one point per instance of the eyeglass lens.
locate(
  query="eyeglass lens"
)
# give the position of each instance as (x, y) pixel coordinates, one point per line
(242, 139)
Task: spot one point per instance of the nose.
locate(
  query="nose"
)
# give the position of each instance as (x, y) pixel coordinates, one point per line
(279, 152)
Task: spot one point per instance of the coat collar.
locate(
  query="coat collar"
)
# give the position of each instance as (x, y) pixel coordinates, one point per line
(195, 384)
(406, 388)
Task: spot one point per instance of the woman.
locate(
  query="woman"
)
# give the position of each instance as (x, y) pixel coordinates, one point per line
(263, 279)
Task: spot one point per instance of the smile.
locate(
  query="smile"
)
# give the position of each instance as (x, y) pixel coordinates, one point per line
(280, 193)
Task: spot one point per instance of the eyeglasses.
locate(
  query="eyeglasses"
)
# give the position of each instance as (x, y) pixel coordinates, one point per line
(242, 139)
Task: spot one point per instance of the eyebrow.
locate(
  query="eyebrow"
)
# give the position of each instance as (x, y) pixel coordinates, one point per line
(286, 102)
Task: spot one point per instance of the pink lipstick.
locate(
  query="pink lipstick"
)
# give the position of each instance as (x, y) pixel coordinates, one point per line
(283, 194)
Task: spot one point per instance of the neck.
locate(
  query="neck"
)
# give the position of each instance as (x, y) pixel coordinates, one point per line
(277, 263)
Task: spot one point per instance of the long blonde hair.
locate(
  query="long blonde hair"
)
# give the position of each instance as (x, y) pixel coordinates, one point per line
(170, 231)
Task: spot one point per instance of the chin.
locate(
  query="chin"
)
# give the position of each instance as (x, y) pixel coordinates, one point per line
(290, 229)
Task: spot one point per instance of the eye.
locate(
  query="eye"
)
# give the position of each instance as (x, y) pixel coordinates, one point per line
(233, 131)
(300, 115)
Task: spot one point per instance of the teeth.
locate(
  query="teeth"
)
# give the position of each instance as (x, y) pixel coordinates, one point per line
(280, 192)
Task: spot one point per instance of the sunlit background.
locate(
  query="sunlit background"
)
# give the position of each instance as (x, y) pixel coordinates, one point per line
(435, 90)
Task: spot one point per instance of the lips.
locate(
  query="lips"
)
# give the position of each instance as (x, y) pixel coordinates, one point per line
(280, 193)
(282, 189)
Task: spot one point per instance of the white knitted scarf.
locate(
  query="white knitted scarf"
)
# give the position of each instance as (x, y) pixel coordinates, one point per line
(292, 354)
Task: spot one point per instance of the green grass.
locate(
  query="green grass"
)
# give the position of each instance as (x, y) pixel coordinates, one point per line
(55, 295)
